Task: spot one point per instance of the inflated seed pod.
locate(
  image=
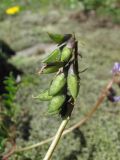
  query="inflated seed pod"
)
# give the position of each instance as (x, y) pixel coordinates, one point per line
(59, 38)
(53, 57)
(65, 38)
(44, 96)
(67, 51)
(72, 82)
(56, 37)
(57, 84)
(51, 68)
(56, 104)
(66, 54)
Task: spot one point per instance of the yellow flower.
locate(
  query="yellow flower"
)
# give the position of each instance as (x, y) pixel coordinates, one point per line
(12, 10)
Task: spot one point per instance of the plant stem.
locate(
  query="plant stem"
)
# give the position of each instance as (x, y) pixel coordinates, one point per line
(11, 151)
(56, 139)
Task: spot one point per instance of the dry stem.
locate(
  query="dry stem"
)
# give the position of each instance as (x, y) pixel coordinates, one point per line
(56, 139)
(77, 125)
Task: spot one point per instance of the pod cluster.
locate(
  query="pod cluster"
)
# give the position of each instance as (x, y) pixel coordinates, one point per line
(63, 61)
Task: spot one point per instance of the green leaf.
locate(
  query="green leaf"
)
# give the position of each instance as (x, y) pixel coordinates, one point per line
(2, 144)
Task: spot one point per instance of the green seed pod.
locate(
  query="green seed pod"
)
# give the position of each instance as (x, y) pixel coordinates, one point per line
(51, 69)
(58, 38)
(66, 54)
(53, 57)
(72, 82)
(57, 84)
(44, 96)
(56, 104)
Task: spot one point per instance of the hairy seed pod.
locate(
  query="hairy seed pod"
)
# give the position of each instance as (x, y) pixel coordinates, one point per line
(57, 84)
(44, 96)
(56, 104)
(72, 82)
(66, 54)
(51, 68)
(53, 57)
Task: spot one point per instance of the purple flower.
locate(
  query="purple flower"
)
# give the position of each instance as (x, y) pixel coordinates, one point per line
(116, 68)
(113, 98)
(112, 95)
(116, 98)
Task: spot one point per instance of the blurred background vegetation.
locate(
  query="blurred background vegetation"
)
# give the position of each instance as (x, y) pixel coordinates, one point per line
(108, 8)
(23, 44)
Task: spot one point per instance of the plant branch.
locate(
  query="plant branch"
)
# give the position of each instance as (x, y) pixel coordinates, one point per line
(77, 125)
(11, 151)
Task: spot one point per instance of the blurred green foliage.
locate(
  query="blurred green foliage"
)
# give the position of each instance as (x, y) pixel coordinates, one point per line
(7, 111)
(9, 96)
(108, 8)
